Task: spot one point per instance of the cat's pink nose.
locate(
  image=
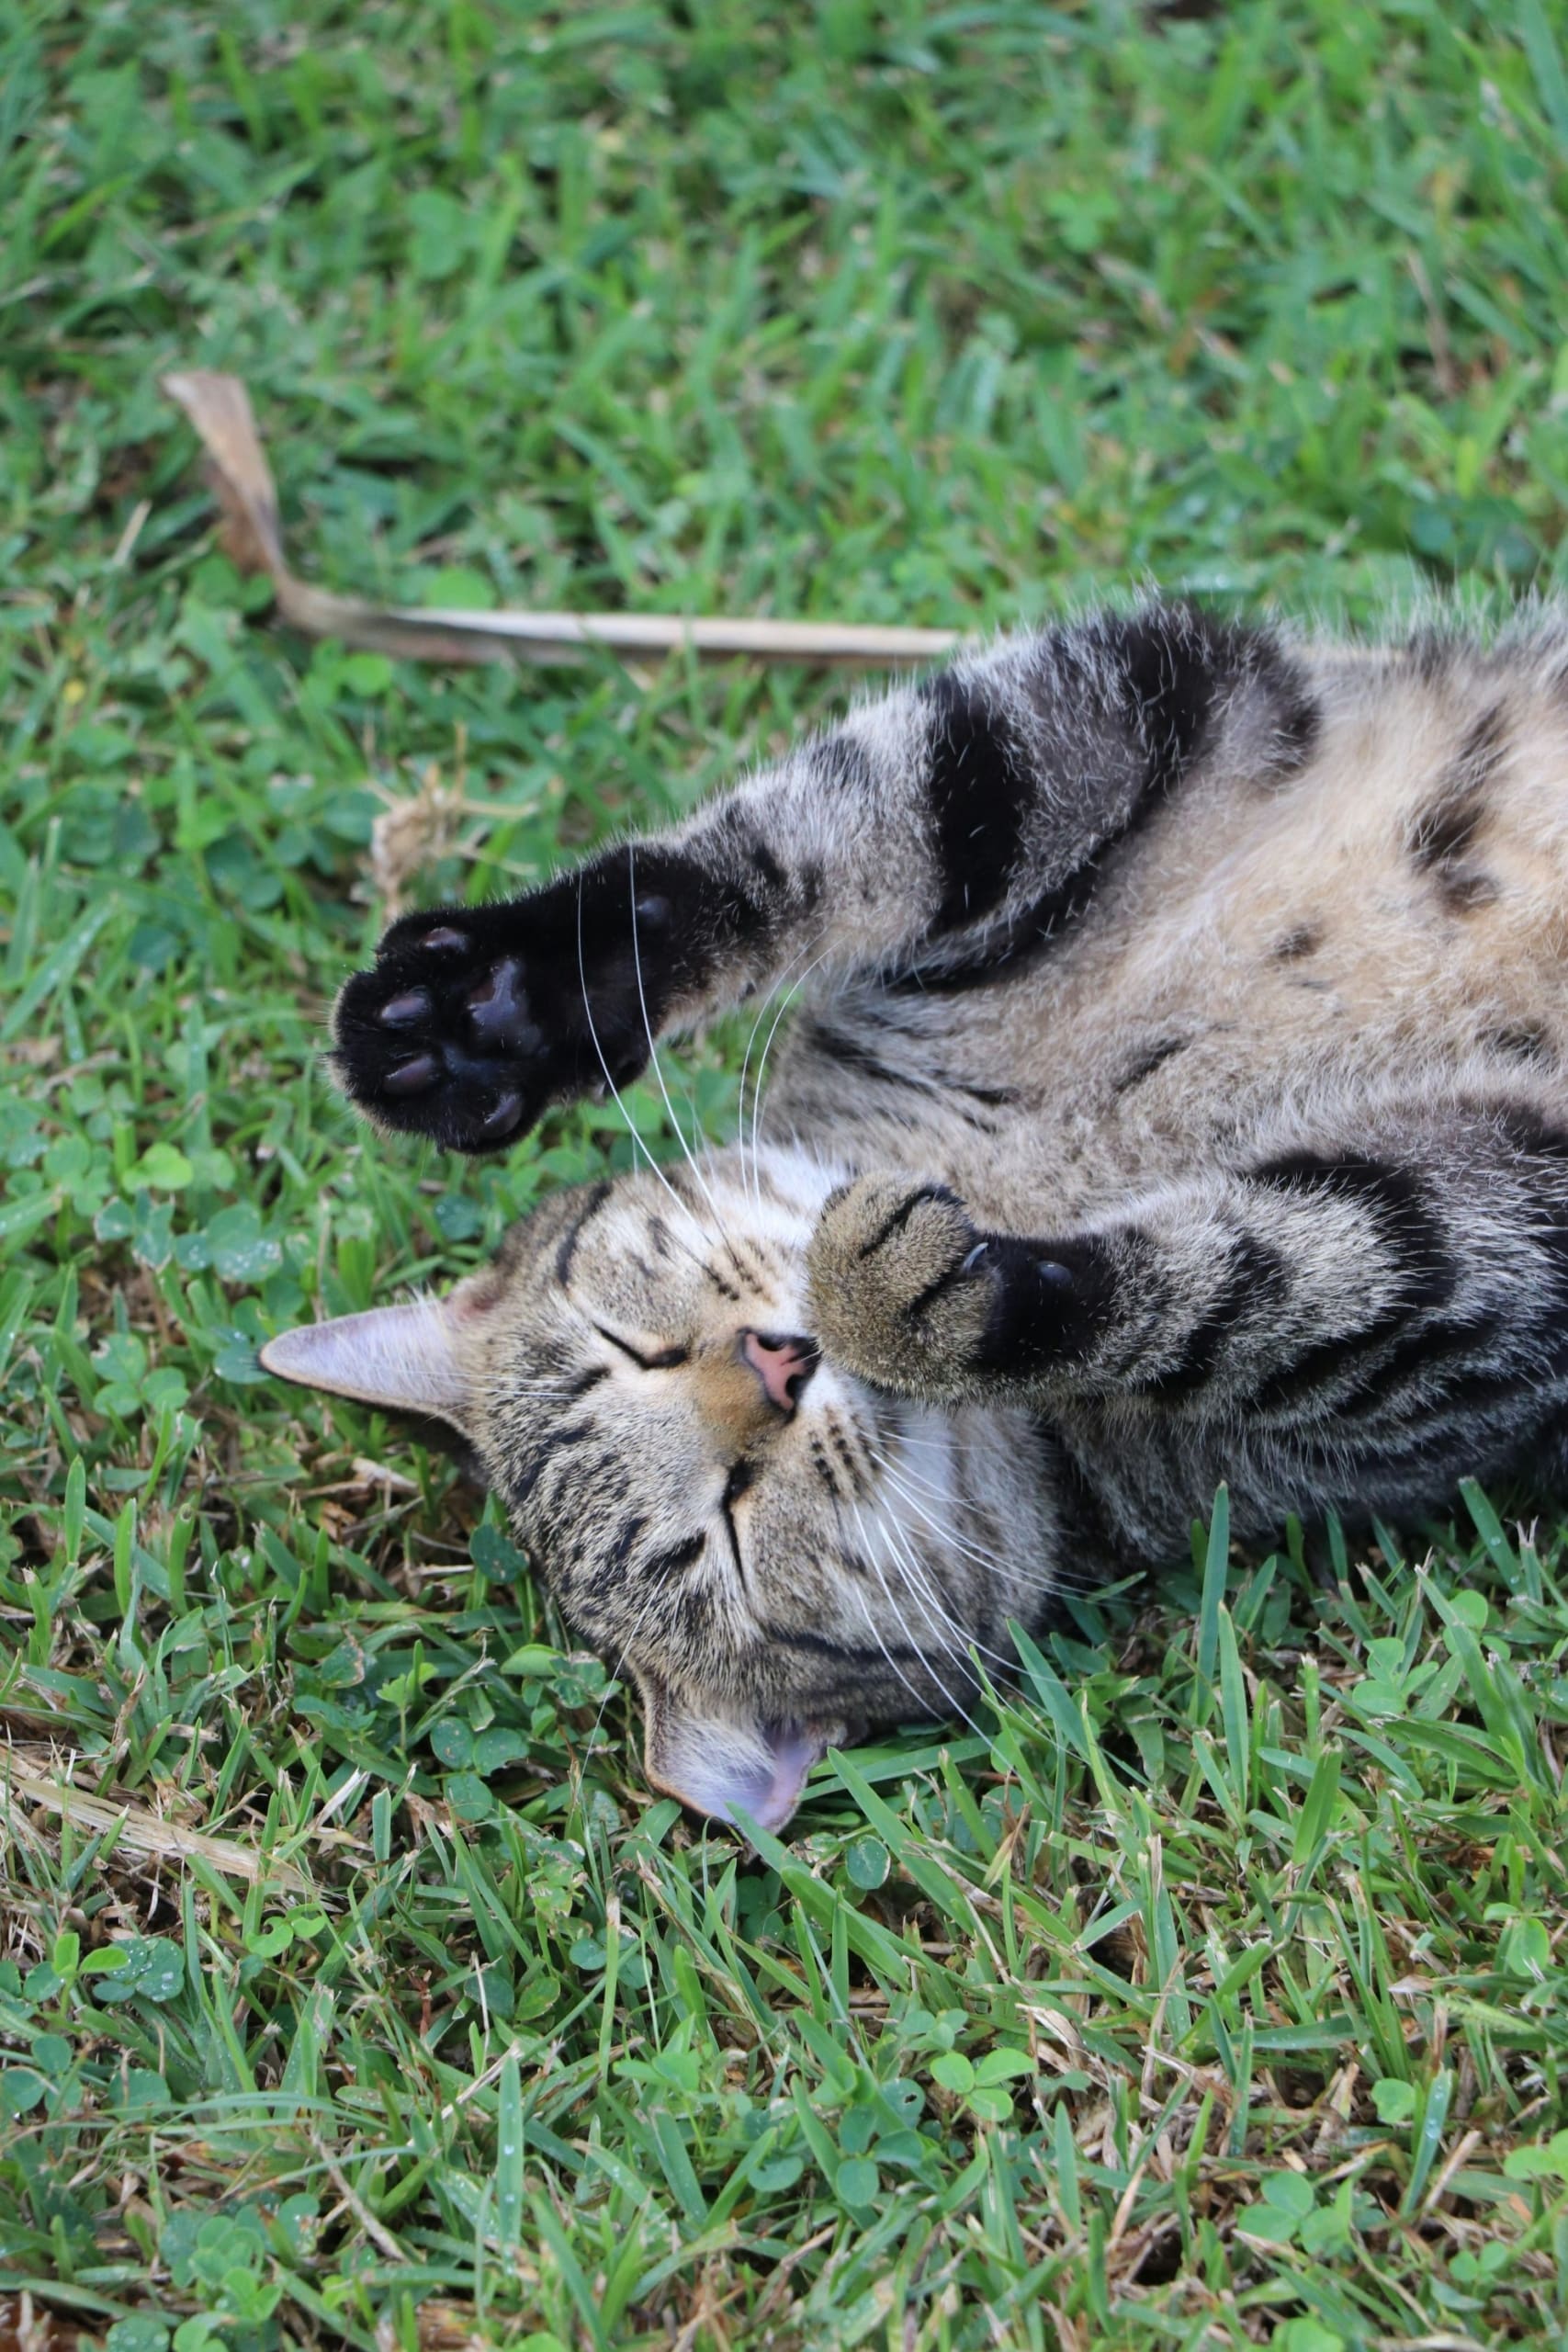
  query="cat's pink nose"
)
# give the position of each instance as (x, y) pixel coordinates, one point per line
(783, 1366)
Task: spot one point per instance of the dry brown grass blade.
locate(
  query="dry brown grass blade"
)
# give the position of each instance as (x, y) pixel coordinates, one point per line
(25, 1783)
(219, 407)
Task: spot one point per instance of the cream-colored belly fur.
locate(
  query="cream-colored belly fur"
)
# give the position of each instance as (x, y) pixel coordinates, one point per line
(1269, 952)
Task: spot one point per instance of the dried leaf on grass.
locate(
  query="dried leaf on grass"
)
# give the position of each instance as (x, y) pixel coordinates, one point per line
(27, 1782)
(219, 407)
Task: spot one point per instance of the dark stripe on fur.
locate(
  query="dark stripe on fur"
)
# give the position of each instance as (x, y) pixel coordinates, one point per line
(1170, 669)
(850, 1054)
(829, 1645)
(524, 1469)
(1144, 1064)
(1394, 1196)
(1255, 1278)
(1444, 833)
(1325, 1362)
(596, 1199)
(902, 1214)
(1527, 1041)
(979, 789)
(664, 1565)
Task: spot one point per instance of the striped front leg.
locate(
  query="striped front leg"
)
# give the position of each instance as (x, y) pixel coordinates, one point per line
(934, 830)
(1362, 1319)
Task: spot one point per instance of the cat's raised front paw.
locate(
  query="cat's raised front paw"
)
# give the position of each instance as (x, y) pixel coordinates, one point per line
(472, 1019)
(899, 1284)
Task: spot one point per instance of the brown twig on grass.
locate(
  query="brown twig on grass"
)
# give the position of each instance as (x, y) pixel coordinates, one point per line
(219, 407)
(24, 1783)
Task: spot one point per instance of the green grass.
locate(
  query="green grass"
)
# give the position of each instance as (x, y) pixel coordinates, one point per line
(1218, 1991)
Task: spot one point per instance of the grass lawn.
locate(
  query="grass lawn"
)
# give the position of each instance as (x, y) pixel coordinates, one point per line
(1214, 1993)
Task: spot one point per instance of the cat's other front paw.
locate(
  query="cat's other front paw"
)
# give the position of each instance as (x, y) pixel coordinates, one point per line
(899, 1284)
(472, 1019)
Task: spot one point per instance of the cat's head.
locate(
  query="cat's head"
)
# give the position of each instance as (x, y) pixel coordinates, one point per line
(777, 1553)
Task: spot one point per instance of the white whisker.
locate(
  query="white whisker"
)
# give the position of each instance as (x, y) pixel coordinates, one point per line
(762, 1072)
(1058, 1581)
(955, 1706)
(928, 1592)
(654, 1169)
(653, 1059)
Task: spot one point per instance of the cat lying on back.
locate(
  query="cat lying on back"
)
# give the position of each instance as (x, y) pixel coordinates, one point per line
(1175, 1093)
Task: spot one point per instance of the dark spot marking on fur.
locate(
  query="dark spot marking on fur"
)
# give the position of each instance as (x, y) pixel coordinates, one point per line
(567, 1251)
(1444, 833)
(843, 1449)
(1532, 1136)
(903, 1213)
(1528, 1041)
(1303, 941)
(1444, 829)
(979, 788)
(767, 866)
(823, 1467)
(1144, 1064)
(842, 765)
(1430, 653)
(1465, 889)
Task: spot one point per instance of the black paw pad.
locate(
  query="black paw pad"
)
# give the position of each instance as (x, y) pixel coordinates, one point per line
(402, 1011)
(498, 1011)
(412, 1078)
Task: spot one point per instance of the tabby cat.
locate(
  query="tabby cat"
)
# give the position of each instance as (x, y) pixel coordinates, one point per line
(1175, 1092)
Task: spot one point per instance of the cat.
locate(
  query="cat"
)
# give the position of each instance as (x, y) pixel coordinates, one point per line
(1175, 1092)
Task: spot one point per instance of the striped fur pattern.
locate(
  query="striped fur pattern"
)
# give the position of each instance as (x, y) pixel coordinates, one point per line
(1175, 1090)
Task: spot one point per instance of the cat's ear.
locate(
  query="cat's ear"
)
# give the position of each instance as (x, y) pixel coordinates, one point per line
(725, 1767)
(403, 1357)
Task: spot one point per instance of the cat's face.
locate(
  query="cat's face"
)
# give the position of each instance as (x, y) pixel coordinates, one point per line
(778, 1553)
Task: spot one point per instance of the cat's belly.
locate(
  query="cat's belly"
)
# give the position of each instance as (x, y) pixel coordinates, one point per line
(1258, 960)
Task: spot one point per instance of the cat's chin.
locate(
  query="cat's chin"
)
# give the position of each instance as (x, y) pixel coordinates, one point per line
(725, 1764)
